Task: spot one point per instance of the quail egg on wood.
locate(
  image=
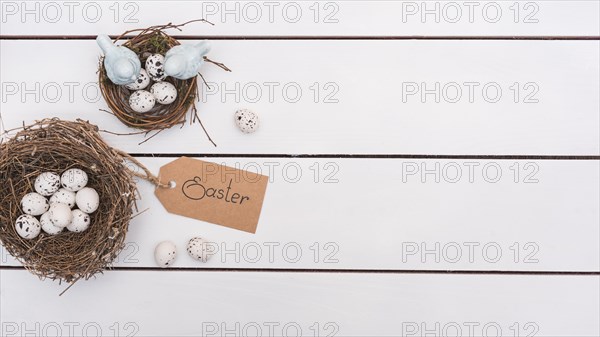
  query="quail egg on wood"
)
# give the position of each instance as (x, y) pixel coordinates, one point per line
(246, 120)
(197, 249)
(165, 253)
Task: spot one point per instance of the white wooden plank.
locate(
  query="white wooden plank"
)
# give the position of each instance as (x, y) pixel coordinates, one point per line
(313, 18)
(210, 304)
(367, 82)
(383, 214)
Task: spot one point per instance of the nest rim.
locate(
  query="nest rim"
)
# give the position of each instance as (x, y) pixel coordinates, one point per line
(50, 146)
(152, 40)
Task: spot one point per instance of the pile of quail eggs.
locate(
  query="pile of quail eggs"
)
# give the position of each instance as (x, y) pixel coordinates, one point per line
(51, 207)
(160, 92)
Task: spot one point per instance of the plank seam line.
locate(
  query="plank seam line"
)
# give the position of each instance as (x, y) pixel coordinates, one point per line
(366, 156)
(345, 271)
(308, 37)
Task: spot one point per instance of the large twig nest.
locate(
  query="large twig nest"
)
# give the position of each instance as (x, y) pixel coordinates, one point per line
(54, 145)
(148, 41)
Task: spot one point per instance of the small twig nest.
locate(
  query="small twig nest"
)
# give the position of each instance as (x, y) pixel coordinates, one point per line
(148, 41)
(54, 145)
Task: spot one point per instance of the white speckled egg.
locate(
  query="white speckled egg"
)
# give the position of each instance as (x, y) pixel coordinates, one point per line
(198, 250)
(48, 226)
(27, 226)
(87, 200)
(34, 204)
(60, 215)
(74, 179)
(165, 253)
(63, 196)
(142, 81)
(164, 92)
(246, 120)
(142, 101)
(155, 67)
(80, 222)
(47, 183)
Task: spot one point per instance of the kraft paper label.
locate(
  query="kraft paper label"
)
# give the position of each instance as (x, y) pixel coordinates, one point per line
(214, 193)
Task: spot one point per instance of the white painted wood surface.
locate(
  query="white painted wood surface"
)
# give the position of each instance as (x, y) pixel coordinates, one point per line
(361, 214)
(384, 214)
(196, 303)
(308, 18)
(362, 108)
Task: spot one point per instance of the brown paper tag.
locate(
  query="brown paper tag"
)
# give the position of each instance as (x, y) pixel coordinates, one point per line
(215, 193)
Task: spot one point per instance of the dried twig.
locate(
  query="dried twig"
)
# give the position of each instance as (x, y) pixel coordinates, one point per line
(149, 41)
(54, 145)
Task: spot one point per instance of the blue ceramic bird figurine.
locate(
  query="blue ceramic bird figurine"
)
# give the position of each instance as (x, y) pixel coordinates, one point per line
(184, 61)
(122, 65)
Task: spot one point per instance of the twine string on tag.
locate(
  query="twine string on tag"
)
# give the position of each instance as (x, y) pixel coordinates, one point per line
(147, 175)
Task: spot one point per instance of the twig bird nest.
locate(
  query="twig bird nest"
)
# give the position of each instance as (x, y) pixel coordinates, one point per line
(147, 42)
(53, 145)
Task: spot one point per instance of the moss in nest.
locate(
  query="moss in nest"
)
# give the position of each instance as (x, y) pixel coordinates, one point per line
(158, 44)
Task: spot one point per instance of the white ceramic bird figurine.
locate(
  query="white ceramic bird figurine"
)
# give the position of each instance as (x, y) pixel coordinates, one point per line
(184, 61)
(122, 65)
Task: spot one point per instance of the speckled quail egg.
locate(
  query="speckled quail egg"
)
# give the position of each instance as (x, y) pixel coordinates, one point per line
(80, 222)
(74, 179)
(27, 226)
(197, 249)
(63, 196)
(47, 183)
(34, 204)
(87, 200)
(48, 226)
(246, 120)
(164, 92)
(142, 101)
(155, 67)
(165, 253)
(60, 215)
(142, 81)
